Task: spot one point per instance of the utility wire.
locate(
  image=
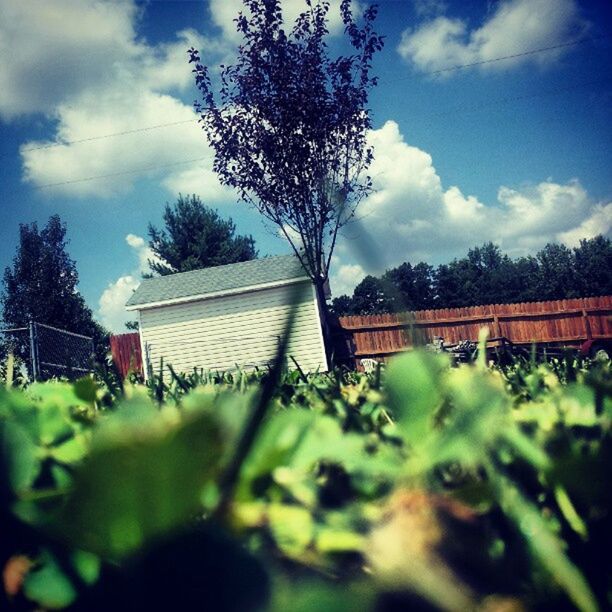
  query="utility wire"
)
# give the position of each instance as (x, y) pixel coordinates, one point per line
(137, 171)
(580, 41)
(163, 125)
(495, 102)
(102, 136)
(508, 99)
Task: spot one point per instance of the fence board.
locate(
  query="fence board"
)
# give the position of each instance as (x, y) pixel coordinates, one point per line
(557, 321)
(126, 352)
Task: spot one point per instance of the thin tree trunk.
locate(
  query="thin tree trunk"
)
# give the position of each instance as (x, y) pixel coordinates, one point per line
(324, 315)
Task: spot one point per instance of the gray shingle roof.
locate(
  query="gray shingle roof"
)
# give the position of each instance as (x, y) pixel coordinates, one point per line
(219, 278)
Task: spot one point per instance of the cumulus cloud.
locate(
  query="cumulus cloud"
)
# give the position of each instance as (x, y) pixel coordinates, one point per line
(63, 48)
(514, 27)
(201, 179)
(345, 277)
(429, 8)
(57, 49)
(120, 161)
(599, 222)
(111, 305)
(412, 217)
(83, 65)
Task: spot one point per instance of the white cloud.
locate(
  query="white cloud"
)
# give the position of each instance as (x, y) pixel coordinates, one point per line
(121, 108)
(166, 66)
(85, 68)
(428, 8)
(413, 217)
(111, 305)
(345, 278)
(201, 179)
(514, 27)
(60, 49)
(600, 222)
(224, 12)
(144, 253)
(113, 83)
(53, 50)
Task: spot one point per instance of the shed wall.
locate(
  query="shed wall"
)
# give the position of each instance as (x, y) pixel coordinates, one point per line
(243, 329)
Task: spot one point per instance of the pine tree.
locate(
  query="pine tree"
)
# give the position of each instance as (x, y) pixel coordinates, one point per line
(194, 237)
(41, 285)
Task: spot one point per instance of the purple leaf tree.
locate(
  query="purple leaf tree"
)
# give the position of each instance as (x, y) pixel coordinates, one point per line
(288, 123)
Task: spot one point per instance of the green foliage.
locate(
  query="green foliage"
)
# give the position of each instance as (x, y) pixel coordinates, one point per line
(487, 276)
(450, 485)
(195, 237)
(42, 286)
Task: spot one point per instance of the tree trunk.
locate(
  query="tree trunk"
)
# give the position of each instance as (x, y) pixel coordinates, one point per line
(324, 316)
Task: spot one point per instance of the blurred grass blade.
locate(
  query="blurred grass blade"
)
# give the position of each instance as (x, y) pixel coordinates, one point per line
(544, 545)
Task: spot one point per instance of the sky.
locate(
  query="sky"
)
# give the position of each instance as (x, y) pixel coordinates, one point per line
(491, 121)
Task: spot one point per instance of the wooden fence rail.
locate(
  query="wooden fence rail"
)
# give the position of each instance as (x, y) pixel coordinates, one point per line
(126, 352)
(569, 322)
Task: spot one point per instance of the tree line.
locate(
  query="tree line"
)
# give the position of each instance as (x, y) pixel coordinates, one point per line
(486, 275)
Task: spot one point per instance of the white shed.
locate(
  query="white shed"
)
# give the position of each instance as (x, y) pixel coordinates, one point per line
(220, 317)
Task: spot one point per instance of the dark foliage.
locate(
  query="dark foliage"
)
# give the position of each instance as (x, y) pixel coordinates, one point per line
(487, 276)
(195, 237)
(41, 285)
(288, 124)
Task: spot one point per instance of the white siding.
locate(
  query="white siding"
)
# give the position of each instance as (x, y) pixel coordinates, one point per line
(244, 329)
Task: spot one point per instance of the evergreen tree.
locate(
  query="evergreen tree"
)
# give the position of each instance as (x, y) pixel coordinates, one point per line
(195, 237)
(41, 285)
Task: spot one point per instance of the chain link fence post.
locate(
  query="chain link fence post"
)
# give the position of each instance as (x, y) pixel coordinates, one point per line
(33, 363)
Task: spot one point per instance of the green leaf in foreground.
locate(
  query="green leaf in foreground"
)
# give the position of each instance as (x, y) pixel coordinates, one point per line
(18, 454)
(139, 484)
(414, 391)
(48, 585)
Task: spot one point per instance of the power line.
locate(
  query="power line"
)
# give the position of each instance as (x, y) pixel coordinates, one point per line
(503, 57)
(483, 105)
(456, 111)
(442, 70)
(137, 171)
(508, 99)
(112, 135)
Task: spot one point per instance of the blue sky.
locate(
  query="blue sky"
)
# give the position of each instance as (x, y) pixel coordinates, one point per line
(514, 150)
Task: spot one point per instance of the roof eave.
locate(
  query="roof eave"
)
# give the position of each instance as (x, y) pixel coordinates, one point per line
(216, 294)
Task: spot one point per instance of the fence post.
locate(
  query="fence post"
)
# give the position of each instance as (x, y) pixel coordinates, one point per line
(33, 359)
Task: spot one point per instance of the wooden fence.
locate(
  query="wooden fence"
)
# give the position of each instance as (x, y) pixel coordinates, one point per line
(126, 352)
(562, 322)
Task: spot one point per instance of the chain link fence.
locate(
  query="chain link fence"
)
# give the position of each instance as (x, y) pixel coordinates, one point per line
(44, 352)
